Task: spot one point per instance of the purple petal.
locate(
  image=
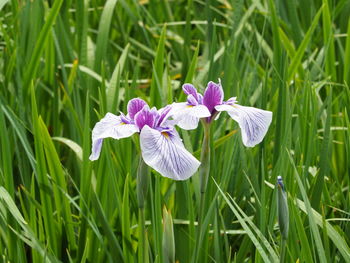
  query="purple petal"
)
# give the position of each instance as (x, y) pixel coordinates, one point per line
(189, 89)
(213, 96)
(125, 119)
(164, 114)
(200, 98)
(134, 106)
(191, 100)
(253, 122)
(165, 153)
(146, 116)
(111, 126)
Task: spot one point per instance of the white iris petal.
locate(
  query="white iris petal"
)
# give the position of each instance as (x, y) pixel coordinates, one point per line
(166, 154)
(187, 117)
(253, 122)
(111, 126)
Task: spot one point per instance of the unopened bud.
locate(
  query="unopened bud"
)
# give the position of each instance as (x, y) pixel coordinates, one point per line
(282, 207)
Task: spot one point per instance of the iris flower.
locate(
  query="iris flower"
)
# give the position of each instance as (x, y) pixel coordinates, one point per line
(253, 122)
(161, 146)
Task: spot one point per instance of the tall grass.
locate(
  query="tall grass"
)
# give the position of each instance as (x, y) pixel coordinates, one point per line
(64, 64)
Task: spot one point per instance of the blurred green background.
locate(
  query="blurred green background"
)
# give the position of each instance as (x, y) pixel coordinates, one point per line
(64, 64)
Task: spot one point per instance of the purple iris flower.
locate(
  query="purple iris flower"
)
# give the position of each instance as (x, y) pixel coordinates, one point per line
(253, 122)
(161, 146)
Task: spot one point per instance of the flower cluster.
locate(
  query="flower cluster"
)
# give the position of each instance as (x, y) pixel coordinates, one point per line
(253, 122)
(161, 146)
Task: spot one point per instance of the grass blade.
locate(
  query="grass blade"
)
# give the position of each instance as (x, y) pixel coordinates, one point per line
(32, 67)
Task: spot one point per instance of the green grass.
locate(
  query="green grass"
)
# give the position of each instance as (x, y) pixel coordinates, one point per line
(64, 64)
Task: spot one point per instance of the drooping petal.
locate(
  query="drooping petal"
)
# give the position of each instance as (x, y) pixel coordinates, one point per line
(213, 95)
(111, 126)
(187, 116)
(165, 153)
(96, 149)
(253, 122)
(146, 116)
(189, 89)
(134, 106)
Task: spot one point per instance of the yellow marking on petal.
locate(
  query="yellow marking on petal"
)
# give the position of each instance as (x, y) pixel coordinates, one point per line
(189, 106)
(122, 123)
(165, 134)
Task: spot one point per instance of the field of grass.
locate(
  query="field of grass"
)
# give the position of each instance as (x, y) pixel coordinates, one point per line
(65, 64)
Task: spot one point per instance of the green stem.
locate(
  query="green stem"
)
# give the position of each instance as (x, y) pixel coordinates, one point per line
(142, 189)
(205, 160)
(283, 250)
(142, 183)
(142, 235)
(204, 175)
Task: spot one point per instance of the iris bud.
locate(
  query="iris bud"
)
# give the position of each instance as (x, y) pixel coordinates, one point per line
(282, 207)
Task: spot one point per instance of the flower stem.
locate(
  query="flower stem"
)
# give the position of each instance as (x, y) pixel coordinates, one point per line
(142, 189)
(142, 236)
(205, 160)
(142, 183)
(283, 250)
(204, 175)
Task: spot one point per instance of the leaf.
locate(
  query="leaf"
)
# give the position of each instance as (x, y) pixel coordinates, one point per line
(243, 218)
(127, 247)
(103, 32)
(156, 92)
(27, 236)
(314, 230)
(112, 92)
(295, 63)
(72, 145)
(3, 3)
(40, 44)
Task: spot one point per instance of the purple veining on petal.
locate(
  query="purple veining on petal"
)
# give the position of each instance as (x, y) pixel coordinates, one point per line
(145, 117)
(213, 96)
(191, 101)
(200, 98)
(156, 114)
(110, 126)
(254, 123)
(189, 89)
(167, 134)
(134, 106)
(165, 152)
(96, 149)
(163, 115)
(124, 119)
(231, 101)
(166, 131)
